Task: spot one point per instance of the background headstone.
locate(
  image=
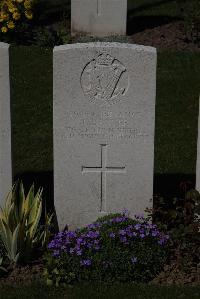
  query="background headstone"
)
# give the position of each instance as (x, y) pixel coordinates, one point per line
(104, 113)
(198, 155)
(5, 124)
(99, 17)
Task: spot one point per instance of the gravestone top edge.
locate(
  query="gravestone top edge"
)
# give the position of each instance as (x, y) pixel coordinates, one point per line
(4, 45)
(104, 45)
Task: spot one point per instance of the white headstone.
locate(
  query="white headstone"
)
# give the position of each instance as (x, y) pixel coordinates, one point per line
(5, 124)
(104, 112)
(198, 155)
(99, 17)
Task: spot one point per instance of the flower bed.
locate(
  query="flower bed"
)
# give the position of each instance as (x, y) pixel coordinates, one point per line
(114, 248)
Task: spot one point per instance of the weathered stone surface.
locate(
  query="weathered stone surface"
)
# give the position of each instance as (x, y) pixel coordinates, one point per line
(198, 155)
(104, 110)
(99, 17)
(5, 123)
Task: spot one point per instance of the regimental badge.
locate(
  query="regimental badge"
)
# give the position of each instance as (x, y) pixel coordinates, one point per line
(104, 80)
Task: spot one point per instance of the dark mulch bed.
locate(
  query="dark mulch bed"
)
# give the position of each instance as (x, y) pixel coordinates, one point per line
(24, 274)
(172, 275)
(168, 36)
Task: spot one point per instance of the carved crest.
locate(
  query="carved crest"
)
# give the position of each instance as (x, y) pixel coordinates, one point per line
(104, 80)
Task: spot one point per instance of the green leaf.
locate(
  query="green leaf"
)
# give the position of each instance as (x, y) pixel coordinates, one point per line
(14, 247)
(49, 282)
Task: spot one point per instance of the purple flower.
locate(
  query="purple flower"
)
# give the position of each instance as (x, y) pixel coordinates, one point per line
(118, 219)
(134, 259)
(56, 253)
(129, 234)
(154, 233)
(89, 245)
(130, 226)
(142, 236)
(94, 225)
(50, 245)
(163, 239)
(92, 234)
(140, 216)
(86, 262)
(60, 234)
(137, 226)
(125, 213)
(79, 252)
(71, 234)
(112, 235)
(79, 240)
(122, 232)
(71, 251)
(161, 242)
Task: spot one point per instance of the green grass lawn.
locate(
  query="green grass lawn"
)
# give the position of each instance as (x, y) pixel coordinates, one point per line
(154, 8)
(178, 88)
(31, 96)
(88, 291)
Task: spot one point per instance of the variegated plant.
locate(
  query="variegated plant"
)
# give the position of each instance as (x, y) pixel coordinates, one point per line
(1, 265)
(19, 222)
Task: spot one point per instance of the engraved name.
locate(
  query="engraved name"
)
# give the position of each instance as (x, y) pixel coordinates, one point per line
(109, 125)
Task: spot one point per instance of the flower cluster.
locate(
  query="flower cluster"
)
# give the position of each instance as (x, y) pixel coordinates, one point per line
(114, 248)
(11, 11)
(76, 244)
(141, 231)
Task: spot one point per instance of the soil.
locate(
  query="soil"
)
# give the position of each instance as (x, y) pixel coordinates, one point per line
(173, 275)
(170, 36)
(24, 274)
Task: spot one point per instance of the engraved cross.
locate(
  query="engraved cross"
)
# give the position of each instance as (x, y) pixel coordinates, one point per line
(103, 170)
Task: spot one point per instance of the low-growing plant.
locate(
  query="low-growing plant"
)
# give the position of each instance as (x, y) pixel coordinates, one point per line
(114, 248)
(50, 36)
(178, 212)
(20, 229)
(180, 216)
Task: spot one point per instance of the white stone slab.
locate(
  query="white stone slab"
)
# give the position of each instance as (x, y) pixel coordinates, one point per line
(104, 113)
(99, 17)
(5, 124)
